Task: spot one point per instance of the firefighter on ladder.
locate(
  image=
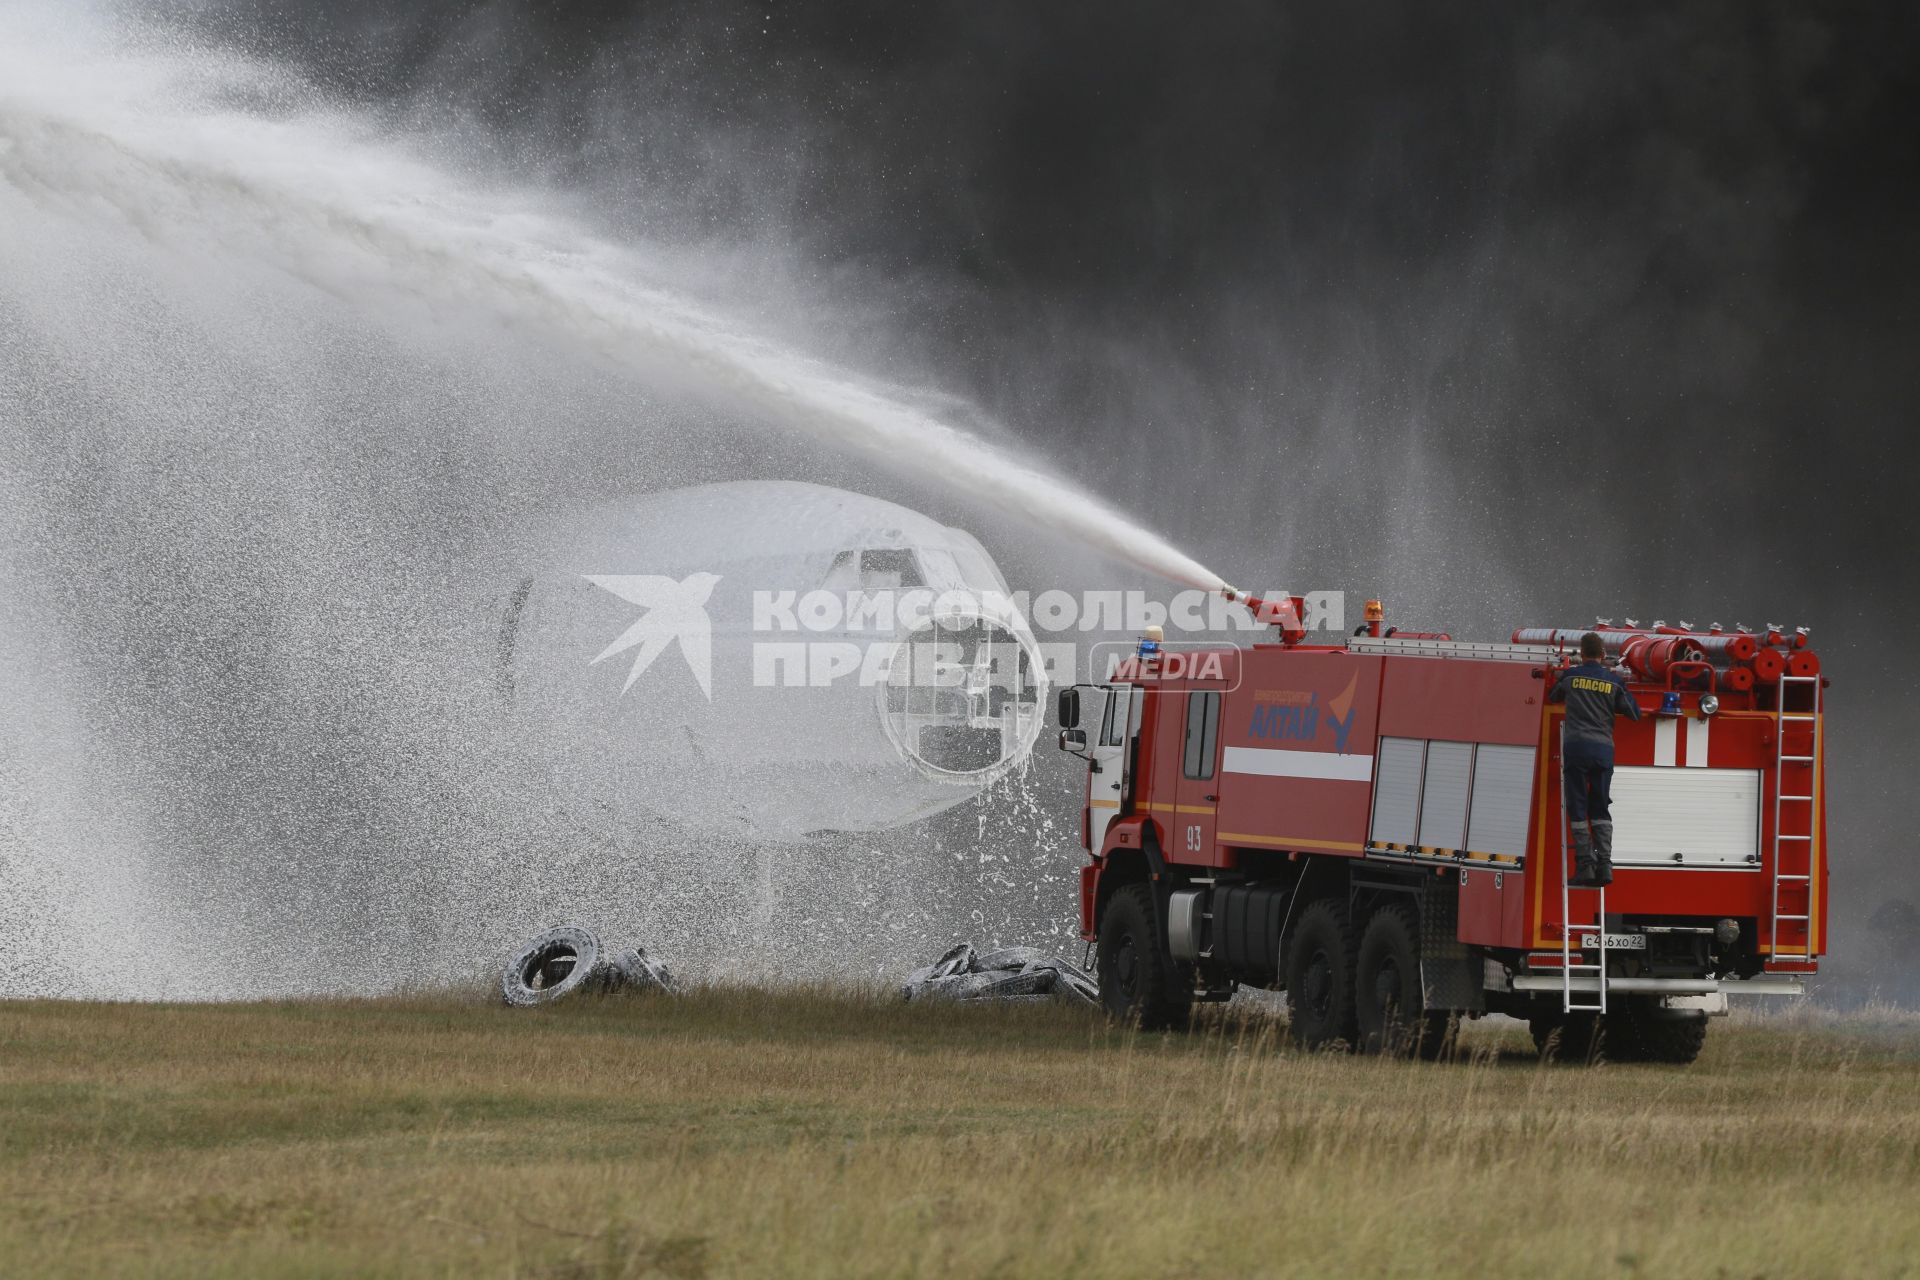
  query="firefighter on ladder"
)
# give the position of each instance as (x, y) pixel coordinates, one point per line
(1594, 695)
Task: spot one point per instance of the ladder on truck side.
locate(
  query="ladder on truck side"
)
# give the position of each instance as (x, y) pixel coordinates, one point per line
(1570, 931)
(1798, 803)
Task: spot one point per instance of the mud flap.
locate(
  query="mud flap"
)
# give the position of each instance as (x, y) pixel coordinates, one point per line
(1452, 976)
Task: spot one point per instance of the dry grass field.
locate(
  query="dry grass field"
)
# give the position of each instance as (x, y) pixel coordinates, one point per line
(746, 1133)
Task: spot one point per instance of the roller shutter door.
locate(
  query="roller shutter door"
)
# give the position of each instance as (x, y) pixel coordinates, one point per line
(1443, 794)
(1502, 799)
(1680, 817)
(1396, 790)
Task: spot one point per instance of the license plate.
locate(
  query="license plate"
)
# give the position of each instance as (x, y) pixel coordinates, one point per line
(1615, 941)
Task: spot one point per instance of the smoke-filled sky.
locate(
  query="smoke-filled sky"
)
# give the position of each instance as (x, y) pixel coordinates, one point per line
(1623, 290)
(1511, 315)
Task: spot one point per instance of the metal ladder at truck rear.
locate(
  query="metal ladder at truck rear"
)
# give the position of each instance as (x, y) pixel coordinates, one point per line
(1803, 796)
(1569, 931)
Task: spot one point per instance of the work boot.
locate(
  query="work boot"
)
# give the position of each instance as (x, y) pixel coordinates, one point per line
(1603, 851)
(1585, 874)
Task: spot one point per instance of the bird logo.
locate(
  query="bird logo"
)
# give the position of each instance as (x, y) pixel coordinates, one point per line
(1341, 705)
(675, 611)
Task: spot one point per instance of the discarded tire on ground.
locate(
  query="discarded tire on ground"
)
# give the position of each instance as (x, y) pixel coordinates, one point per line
(959, 960)
(642, 972)
(556, 964)
(1007, 974)
(1071, 981)
(985, 986)
(1010, 958)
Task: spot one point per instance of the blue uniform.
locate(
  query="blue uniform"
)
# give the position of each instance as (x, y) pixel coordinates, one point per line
(1594, 696)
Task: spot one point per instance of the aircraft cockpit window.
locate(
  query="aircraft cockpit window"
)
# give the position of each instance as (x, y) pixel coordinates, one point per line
(875, 569)
(886, 567)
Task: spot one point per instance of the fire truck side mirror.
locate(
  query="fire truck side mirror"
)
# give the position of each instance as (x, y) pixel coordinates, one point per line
(1071, 739)
(1070, 710)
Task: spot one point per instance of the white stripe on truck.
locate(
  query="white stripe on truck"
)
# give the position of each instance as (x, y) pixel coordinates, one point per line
(1278, 762)
(1666, 740)
(1697, 742)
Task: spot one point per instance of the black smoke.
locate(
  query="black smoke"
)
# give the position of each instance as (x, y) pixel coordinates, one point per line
(1634, 281)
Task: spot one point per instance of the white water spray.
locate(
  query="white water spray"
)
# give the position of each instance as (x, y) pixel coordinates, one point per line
(274, 394)
(147, 137)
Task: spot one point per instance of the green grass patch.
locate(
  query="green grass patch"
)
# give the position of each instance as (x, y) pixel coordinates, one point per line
(843, 1133)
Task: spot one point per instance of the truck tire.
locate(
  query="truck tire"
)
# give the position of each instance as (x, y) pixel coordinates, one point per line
(1320, 964)
(1566, 1037)
(1140, 984)
(1389, 998)
(1642, 1031)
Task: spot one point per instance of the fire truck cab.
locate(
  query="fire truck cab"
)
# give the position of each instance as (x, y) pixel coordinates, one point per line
(1376, 828)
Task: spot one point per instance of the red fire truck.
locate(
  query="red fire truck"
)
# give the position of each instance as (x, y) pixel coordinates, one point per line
(1376, 827)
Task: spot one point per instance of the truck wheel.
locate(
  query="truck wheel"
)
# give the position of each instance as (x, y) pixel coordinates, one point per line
(1566, 1037)
(1389, 999)
(1139, 982)
(1320, 962)
(1645, 1032)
